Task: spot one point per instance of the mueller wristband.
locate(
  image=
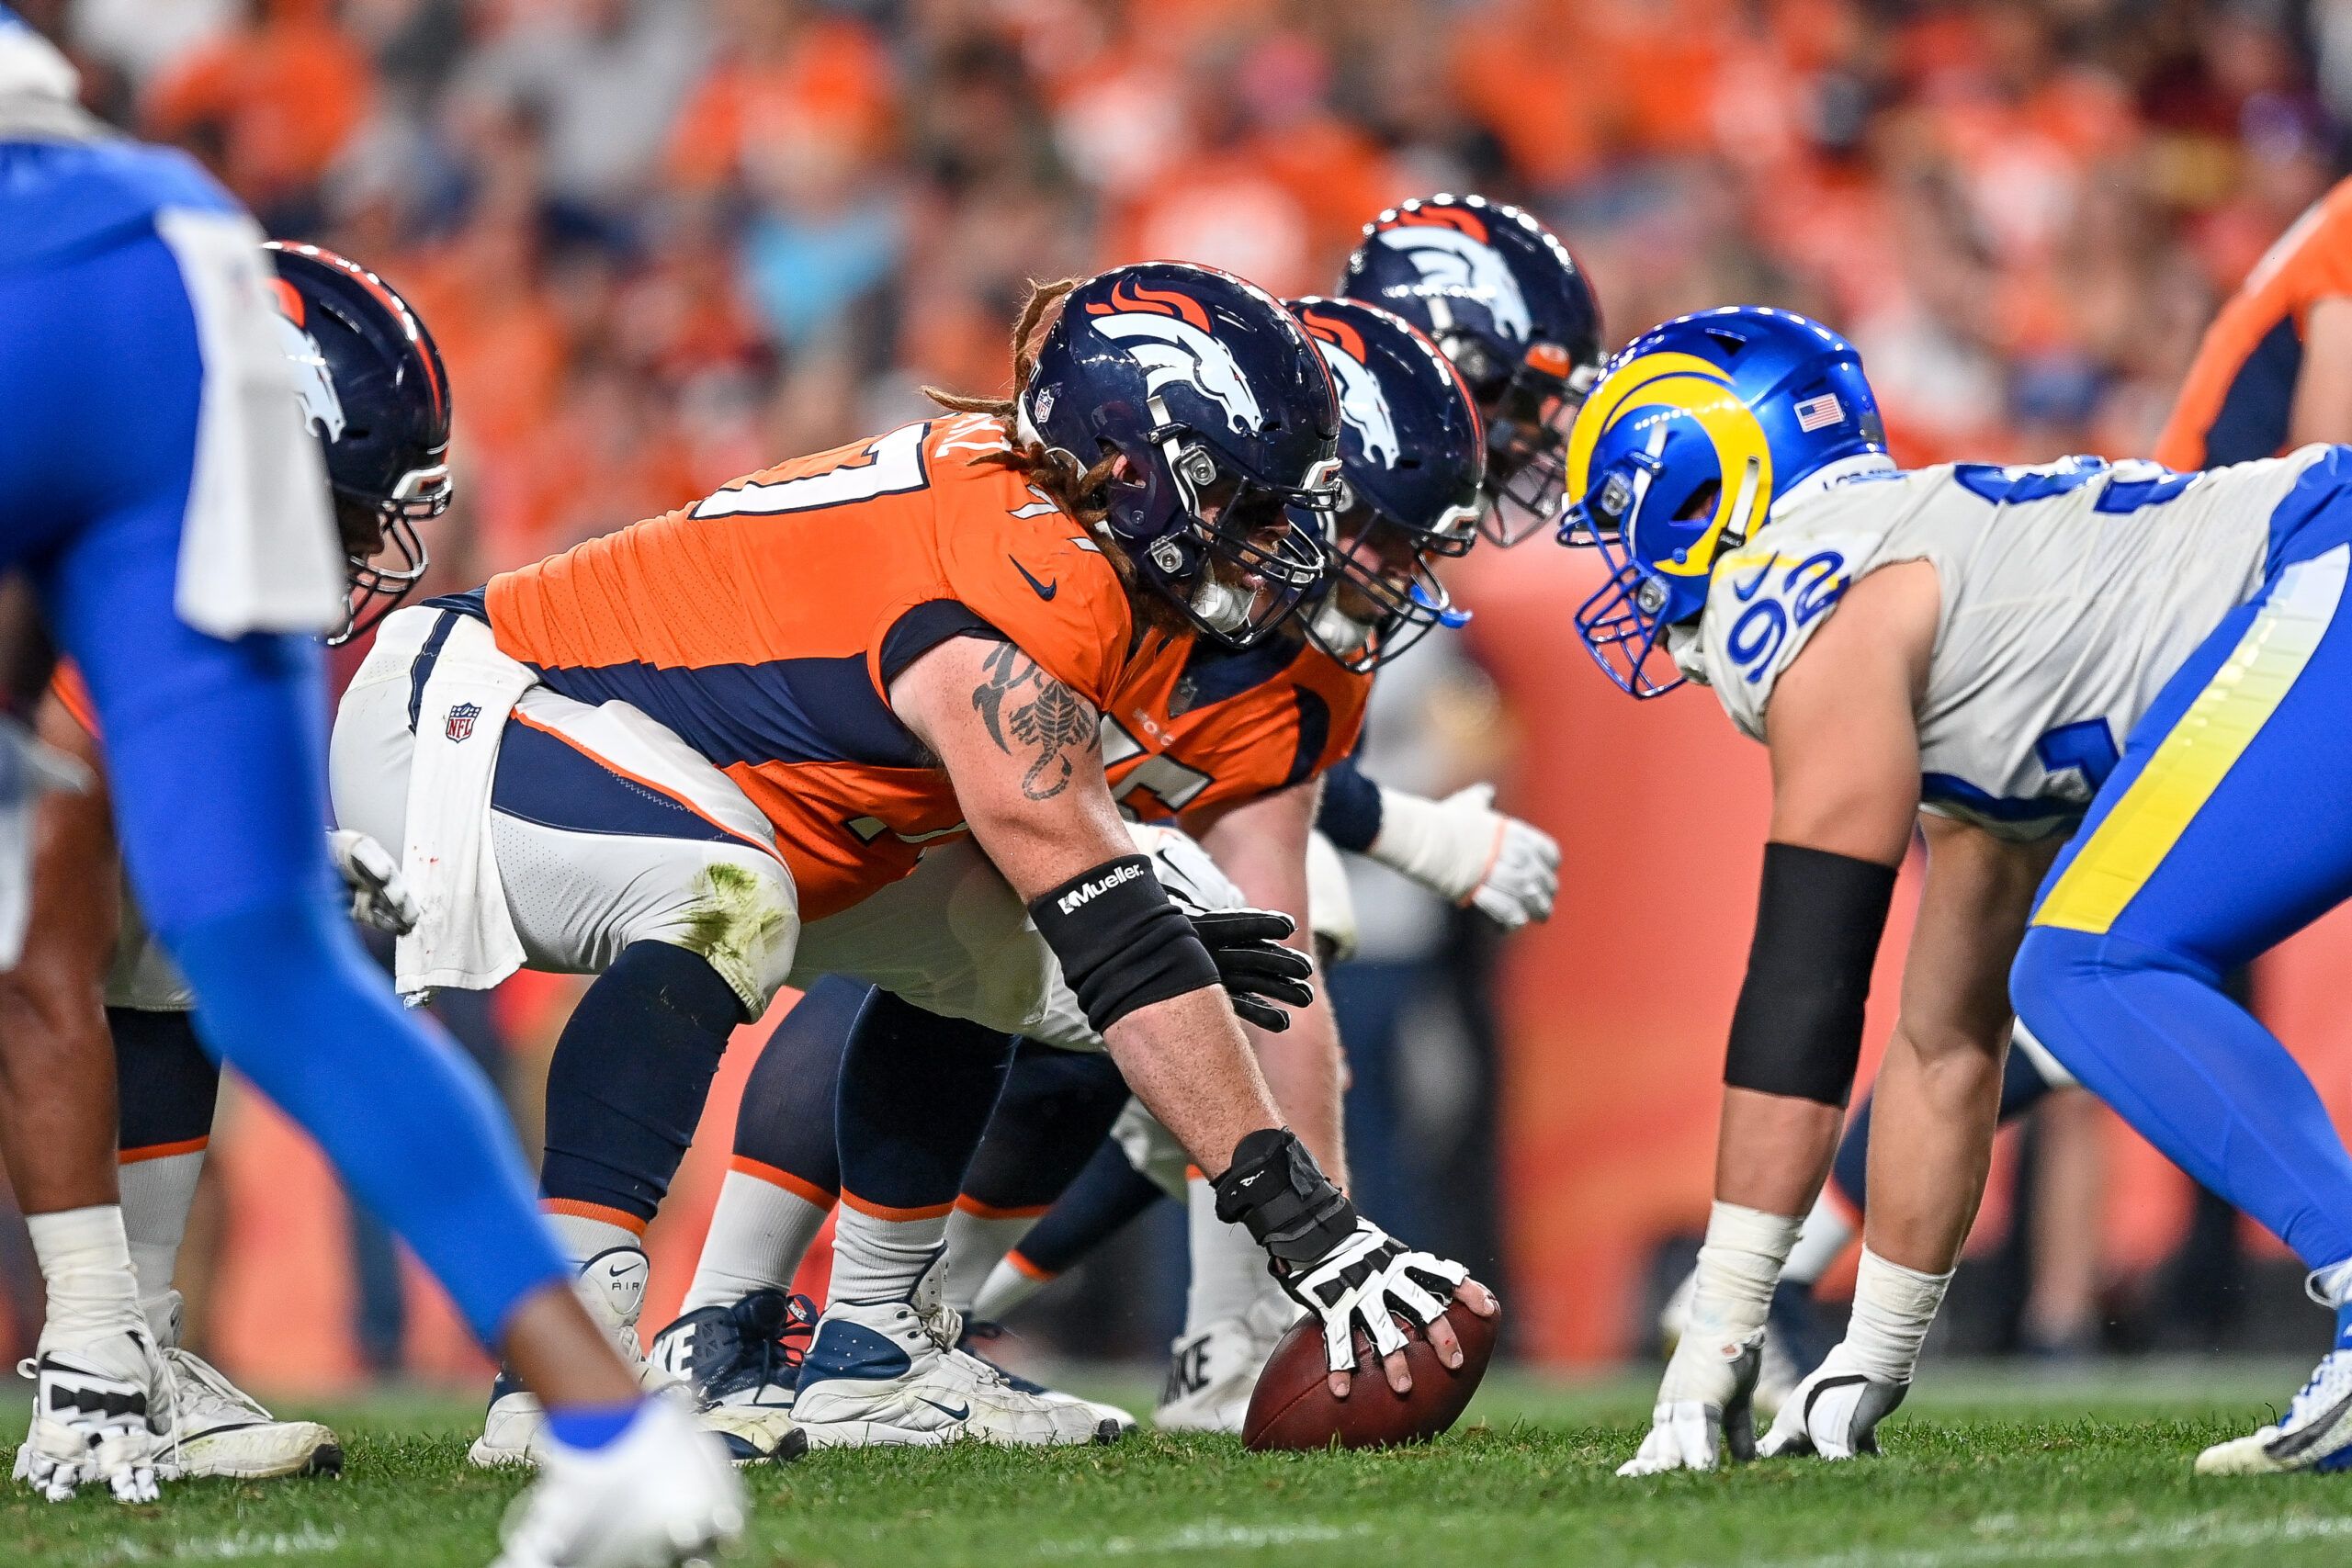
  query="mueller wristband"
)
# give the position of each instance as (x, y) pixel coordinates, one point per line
(1121, 944)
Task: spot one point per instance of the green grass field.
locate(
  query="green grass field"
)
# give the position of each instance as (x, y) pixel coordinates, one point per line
(2015, 1467)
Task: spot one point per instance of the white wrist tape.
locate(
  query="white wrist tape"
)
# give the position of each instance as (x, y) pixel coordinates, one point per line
(1739, 1265)
(1894, 1307)
(1447, 846)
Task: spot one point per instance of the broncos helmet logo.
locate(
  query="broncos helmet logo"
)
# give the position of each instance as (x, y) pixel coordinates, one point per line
(1463, 267)
(1361, 402)
(322, 407)
(1168, 334)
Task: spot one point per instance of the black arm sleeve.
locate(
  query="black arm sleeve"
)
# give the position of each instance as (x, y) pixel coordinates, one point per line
(1123, 945)
(1349, 815)
(1798, 1031)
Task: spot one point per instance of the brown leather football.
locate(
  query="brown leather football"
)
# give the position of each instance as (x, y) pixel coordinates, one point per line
(1293, 1408)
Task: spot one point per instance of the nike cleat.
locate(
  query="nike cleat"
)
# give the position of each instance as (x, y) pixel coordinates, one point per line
(2316, 1434)
(1212, 1374)
(225, 1431)
(977, 1333)
(612, 1287)
(742, 1363)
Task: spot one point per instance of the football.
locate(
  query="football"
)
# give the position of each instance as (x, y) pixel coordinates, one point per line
(1293, 1408)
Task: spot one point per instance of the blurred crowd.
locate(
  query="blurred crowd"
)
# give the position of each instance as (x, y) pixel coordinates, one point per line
(664, 242)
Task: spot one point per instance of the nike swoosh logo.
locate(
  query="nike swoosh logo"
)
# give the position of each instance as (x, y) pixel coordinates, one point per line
(966, 1410)
(1046, 590)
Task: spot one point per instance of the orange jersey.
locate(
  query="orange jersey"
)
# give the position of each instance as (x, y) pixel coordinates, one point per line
(2238, 400)
(1209, 727)
(763, 624)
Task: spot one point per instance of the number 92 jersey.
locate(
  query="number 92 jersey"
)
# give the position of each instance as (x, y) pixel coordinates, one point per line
(2070, 594)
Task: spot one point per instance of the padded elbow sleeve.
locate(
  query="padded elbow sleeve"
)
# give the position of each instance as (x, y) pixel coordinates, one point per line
(1121, 944)
(1798, 1030)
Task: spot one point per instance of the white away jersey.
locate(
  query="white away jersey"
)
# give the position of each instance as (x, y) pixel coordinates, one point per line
(2071, 593)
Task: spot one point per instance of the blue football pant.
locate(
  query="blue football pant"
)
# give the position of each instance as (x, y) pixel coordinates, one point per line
(215, 751)
(2223, 831)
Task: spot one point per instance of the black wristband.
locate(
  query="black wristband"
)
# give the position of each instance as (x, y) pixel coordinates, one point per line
(1274, 1187)
(1121, 944)
(1798, 1030)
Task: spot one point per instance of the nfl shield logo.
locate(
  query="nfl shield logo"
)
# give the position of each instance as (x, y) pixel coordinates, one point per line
(461, 720)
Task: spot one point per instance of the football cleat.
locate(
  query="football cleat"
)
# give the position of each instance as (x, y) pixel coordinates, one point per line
(1833, 1414)
(662, 1495)
(1212, 1374)
(2316, 1434)
(742, 1361)
(888, 1373)
(977, 1333)
(102, 1412)
(612, 1286)
(225, 1431)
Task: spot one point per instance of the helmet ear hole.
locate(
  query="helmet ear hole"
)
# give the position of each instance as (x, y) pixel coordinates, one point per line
(1701, 501)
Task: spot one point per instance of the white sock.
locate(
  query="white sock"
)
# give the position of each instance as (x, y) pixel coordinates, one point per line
(1010, 1283)
(1894, 1307)
(758, 1236)
(582, 1236)
(1229, 1272)
(157, 1194)
(879, 1259)
(1739, 1264)
(977, 1239)
(86, 1263)
(1826, 1234)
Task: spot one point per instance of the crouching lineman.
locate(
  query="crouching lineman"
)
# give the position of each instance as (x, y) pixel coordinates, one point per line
(371, 388)
(2148, 660)
(1243, 737)
(686, 757)
(159, 489)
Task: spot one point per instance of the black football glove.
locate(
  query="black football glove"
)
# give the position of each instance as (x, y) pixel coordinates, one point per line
(1257, 970)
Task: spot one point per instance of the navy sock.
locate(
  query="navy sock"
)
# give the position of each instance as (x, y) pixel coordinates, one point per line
(630, 1074)
(165, 1085)
(916, 1091)
(1106, 1195)
(1056, 1109)
(786, 1122)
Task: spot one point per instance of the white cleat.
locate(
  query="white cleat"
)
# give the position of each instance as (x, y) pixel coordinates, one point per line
(977, 1333)
(225, 1431)
(741, 1362)
(663, 1494)
(1212, 1374)
(102, 1414)
(888, 1373)
(2316, 1434)
(612, 1286)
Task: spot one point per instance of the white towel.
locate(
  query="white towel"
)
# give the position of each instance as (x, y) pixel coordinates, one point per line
(465, 938)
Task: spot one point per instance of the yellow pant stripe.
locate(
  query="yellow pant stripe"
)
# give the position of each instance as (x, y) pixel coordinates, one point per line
(2133, 837)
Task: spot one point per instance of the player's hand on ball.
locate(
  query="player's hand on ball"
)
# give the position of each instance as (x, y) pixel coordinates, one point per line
(1368, 1280)
(379, 894)
(1262, 978)
(1704, 1413)
(1834, 1412)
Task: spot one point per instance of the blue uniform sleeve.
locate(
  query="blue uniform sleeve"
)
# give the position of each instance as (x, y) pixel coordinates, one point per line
(1349, 815)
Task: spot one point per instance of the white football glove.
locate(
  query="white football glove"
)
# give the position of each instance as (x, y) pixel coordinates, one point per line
(379, 894)
(1834, 1412)
(1465, 851)
(1364, 1281)
(1704, 1413)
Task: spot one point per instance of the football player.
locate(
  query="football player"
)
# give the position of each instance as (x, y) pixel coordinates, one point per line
(163, 494)
(2003, 657)
(705, 754)
(1242, 738)
(371, 388)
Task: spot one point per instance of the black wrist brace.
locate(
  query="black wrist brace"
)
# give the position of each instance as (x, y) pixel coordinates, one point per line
(1274, 1187)
(1121, 944)
(1798, 1030)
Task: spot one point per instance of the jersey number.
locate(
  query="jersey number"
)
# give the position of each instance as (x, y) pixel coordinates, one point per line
(1162, 777)
(888, 465)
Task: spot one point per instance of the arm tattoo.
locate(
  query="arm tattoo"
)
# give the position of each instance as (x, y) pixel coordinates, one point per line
(1023, 706)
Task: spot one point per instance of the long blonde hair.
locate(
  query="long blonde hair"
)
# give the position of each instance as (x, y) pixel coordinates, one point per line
(1083, 493)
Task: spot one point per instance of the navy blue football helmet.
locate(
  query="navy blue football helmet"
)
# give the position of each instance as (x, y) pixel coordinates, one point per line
(1412, 457)
(1516, 314)
(1226, 426)
(374, 390)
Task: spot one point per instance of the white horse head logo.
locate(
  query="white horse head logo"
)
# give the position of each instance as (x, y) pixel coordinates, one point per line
(1178, 347)
(1453, 262)
(322, 408)
(1361, 402)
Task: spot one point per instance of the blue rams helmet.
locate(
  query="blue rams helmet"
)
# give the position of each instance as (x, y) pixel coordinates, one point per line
(1697, 428)
(375, 394)
(1224, 426)
(1510, 306)
(1412, 457)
